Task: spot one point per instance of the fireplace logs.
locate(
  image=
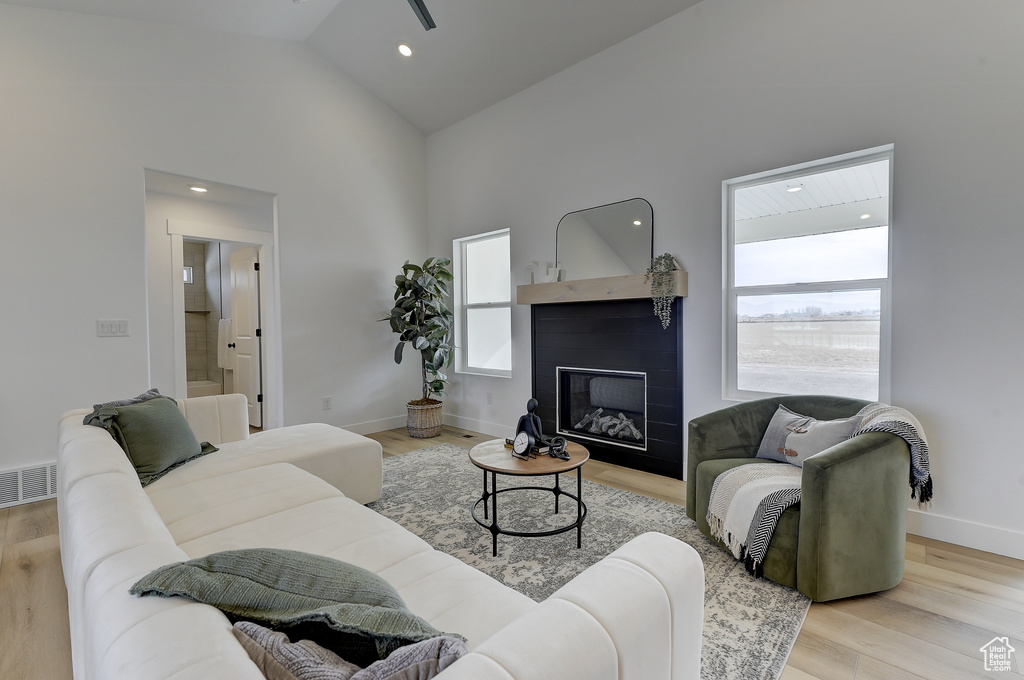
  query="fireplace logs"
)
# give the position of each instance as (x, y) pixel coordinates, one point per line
(612, 426)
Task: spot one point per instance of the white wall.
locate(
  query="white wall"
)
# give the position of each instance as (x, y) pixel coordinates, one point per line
(732, 87)
(87, 104)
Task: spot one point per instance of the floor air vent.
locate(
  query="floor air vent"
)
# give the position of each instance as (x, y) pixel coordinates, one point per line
(28, 484)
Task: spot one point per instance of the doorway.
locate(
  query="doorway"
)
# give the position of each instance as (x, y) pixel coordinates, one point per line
(223, 333)
(253, 317)
(224, 218)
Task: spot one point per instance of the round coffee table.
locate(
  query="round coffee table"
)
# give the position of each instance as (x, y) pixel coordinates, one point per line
(495, 459)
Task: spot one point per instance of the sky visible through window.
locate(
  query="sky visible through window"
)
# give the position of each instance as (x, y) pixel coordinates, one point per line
(838, 256)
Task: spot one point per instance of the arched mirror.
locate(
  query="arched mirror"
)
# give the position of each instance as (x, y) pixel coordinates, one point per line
(610, 240)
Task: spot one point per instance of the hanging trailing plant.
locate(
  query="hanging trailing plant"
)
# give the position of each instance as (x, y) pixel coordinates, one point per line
(663, 286)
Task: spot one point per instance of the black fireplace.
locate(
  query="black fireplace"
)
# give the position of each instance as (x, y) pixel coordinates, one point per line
(607, 375)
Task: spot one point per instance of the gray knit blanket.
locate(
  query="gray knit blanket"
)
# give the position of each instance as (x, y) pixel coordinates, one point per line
(747, 501)
(279, 658)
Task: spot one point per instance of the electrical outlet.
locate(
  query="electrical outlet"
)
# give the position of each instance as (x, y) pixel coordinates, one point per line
(327, 403)
(490, 399)
(112, 328)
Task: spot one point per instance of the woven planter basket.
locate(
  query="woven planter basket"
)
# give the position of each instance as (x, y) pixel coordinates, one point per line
(424, 421)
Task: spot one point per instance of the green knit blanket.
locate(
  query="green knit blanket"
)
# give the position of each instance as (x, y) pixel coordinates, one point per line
(340, 606)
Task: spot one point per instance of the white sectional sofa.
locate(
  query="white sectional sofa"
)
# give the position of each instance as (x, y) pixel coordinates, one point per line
(636, 615)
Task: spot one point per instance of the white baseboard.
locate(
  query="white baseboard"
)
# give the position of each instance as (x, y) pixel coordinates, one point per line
(481, 426)
(371, 426)
(968, 534)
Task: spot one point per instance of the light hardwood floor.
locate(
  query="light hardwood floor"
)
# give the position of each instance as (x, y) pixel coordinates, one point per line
(35, 643)
(952, 600)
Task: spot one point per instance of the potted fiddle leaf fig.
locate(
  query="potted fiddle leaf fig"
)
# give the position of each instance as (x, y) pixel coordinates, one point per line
(421, 318)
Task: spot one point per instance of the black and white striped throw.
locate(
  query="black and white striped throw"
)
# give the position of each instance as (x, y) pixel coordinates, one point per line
(746, 503)
(766, 517)
(880, 417)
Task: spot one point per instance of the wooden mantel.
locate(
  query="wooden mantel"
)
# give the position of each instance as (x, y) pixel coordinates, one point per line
(591, 290)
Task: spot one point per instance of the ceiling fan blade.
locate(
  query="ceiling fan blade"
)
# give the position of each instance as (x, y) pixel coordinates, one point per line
(423, 13)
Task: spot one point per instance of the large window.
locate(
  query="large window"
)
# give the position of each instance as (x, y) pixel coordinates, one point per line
(807, 279)
(483, 302)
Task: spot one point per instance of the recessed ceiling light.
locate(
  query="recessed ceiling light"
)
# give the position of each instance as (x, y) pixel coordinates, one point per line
(404, 50)
(198, 188)
(637, 223)
(793, 190)
(865, 216)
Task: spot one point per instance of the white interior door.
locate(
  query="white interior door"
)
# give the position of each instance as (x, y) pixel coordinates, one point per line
(245, 315)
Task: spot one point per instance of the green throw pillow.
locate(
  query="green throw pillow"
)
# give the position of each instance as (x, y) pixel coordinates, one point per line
(341, 607)
(153, 433)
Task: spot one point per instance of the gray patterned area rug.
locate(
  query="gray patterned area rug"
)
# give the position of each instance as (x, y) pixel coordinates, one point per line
(749, 625)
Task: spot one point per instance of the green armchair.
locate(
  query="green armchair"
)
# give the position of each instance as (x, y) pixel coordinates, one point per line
(847, 536)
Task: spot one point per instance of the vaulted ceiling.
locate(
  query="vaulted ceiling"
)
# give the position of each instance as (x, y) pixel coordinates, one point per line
(481, 52)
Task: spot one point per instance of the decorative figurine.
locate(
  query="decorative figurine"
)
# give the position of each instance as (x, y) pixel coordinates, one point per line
(530, 423)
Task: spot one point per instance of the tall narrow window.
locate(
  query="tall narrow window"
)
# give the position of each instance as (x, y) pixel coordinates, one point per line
(483, 301)
(807, 279)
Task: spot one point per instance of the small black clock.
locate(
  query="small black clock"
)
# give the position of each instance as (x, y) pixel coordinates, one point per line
(522, 445)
